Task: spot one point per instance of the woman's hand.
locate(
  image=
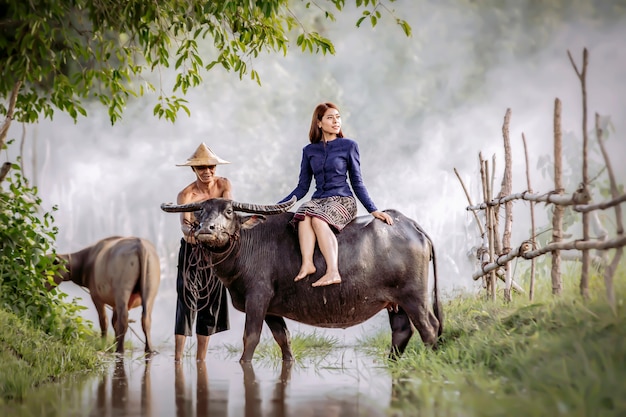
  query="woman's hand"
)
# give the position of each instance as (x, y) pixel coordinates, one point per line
(383, 216)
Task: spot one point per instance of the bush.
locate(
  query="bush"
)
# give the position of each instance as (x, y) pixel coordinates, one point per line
(27, 263)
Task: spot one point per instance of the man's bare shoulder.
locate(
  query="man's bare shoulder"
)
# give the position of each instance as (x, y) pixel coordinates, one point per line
(223, 181)
(188, 194)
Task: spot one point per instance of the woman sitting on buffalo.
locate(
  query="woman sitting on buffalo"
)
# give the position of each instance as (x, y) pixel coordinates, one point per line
(330, 158)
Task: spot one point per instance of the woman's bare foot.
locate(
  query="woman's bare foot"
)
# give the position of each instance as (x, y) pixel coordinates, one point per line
(305, 270)
(329, 278)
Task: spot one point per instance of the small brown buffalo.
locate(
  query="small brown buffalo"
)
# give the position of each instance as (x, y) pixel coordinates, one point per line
(122, 272)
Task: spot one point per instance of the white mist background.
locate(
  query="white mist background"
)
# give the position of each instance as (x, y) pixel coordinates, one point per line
(419, 107)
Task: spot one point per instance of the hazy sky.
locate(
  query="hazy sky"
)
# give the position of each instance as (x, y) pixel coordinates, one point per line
(419, 107)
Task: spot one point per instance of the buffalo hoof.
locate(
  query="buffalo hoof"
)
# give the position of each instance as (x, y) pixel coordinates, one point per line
(150, 353)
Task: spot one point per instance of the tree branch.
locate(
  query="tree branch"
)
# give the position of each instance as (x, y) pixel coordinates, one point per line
(4, 129)
(4, 170)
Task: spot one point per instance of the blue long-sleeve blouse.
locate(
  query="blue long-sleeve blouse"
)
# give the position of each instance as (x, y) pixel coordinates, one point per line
(331, 163)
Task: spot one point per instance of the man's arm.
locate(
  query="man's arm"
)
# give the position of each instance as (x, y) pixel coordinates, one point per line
(185, 217)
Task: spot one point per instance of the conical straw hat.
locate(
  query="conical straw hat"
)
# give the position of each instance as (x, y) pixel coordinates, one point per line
(203, 156)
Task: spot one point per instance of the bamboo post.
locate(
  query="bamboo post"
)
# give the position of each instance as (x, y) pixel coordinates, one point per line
(582, 76)
(533, 238)
(484, 176)
(610, 270)
(481, 253)
(485, 244)
(469, 200)
(484, 250)
(495, 212)
(557, 216)
(505, 189)
(491, 232)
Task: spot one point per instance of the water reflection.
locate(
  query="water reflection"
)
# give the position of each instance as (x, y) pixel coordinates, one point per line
(343, 385)
(207, 402)
(253, 397)
(121, 401)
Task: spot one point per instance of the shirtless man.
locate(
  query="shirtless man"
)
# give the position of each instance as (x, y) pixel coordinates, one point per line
(198, 291)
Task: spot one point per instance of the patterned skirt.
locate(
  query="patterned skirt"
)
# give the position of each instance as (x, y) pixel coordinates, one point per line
(336, 211)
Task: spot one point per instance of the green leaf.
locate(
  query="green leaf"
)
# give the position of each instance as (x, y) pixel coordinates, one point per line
(103, 52)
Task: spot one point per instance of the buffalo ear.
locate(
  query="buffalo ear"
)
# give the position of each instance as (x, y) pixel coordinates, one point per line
(248, 222)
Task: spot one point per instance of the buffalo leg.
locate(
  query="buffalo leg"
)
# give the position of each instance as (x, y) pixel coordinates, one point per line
(255, 312)
(423, 320)
(114, 320)
(121, 326)
(146, 322)
(281, 334)
(401, 332)
(102, 318)
(251, 337)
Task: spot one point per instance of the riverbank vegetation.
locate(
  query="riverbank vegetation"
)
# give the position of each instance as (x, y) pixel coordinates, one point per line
(43, 336)
(31, 357)
(554, 356)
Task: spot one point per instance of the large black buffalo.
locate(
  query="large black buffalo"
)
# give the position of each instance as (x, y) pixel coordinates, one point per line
(257, 258)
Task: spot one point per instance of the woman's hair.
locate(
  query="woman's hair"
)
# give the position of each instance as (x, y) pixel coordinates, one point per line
(315, 133)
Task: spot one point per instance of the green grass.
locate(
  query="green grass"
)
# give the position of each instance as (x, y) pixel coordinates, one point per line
(30, 358)
(311, 348)
(555, 356)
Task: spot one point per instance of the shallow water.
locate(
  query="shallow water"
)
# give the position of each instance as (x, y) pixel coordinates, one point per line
(345, 383)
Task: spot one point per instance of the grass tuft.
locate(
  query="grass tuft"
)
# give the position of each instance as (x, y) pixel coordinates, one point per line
(556, 356)
(311, 347)
(30, 357)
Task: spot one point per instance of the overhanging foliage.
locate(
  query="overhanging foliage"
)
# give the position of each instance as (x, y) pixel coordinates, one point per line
(64, 52)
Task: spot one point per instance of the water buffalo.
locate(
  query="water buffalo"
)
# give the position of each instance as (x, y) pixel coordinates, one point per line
(257, 258)
(122, 272)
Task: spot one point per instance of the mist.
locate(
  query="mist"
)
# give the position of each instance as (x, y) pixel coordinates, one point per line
(418, 107)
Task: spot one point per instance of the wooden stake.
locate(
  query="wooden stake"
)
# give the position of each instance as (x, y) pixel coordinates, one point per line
(533, 239)
(506, 187)
(557, 216)
(610, 270)
(491, 233)
(469, 200)
(582, 76)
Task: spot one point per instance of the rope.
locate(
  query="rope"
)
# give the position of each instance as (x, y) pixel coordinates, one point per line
(199, 279)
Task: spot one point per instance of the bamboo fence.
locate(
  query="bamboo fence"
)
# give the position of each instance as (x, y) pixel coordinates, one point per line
(496, 252)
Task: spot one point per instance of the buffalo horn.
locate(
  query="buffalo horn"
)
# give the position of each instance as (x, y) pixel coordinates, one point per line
(264, 209)
(178, 208)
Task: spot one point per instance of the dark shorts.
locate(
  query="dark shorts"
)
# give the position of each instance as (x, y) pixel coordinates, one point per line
(336, 211)
(199, 293)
